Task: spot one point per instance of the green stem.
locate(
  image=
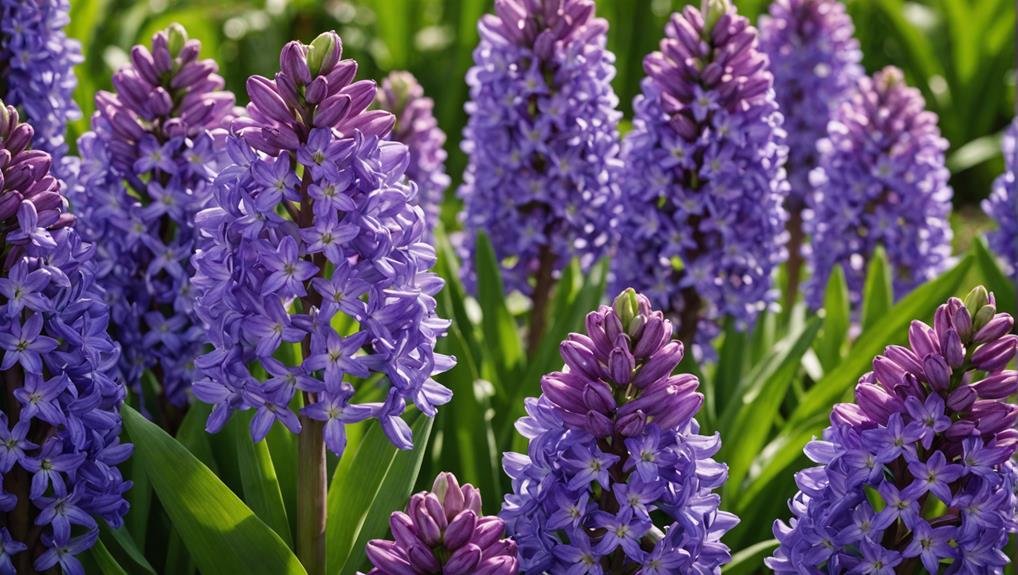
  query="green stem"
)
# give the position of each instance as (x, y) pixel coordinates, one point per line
(311, 496)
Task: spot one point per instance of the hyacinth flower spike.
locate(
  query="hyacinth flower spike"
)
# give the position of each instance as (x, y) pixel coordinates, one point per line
(154, 149)
(37, 61)
(60, 420)
(542, 144)
(703, 224)
(443, 532)
(313, 274)
(417, 128)
(918, 474)
(1002, 205)
(815, 60)
(617, 478)
(881, 181)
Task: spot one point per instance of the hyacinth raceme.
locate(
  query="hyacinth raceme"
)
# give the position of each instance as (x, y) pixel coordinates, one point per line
(616, 478)
(1002, 205)
(881, 181)
(314, 239)
(417, 127)
(704, 224)
(918, 472)
(148, 167)
(815, 61)
(37, 62)
(60, 422)
(444, 533)
(542, 139)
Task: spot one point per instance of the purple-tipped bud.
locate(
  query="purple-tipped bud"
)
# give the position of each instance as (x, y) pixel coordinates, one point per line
(635, 438)
(458, 539)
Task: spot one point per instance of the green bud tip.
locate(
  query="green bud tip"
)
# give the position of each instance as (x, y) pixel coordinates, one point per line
(176, 37)
(320, 49)
(983, 317)
(976, 299)
(712, 10)
(442, 484)
(626, 306)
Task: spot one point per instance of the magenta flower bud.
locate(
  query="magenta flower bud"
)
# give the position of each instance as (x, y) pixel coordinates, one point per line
(661, 364)
(468, 543)
(631, 424)
(463, 561)
(580, 358)
(876, 402)
(331, 111)
(921, 338)
(558, 389)
(621, 365)
(598, 397)
(954, 351)
(998, 386)
(962, 398)
(999, 325)
(993, 356)
(888, 372)
(598, 424)
(937, 372)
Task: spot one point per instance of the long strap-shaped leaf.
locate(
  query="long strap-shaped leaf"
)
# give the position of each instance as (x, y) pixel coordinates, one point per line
(222, 534)
(367, 486)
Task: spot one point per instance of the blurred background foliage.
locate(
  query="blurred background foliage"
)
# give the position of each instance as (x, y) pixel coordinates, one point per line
(960, 53)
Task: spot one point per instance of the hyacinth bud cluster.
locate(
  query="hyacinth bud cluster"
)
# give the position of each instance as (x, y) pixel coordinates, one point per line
(60, 422)
(37, 62)
(314, 239)
(417, 128)
(704, 224)
(918, 472)
(149, 163)
(881, 181)
(616, 477)
(815, 61)
(542, 139)
(1002, 205)
(444, 533)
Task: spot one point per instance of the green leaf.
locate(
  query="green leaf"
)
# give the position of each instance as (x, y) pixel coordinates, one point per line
(222, 534)
(878, 293)
(996, 281)
(125, 549)
(193, 436)
(367, 486)
(501, 337)
(891, 328)
(747, 561)
(730, 366)
(751, 419)
(258, 476)
(99, 560)
(830, 344)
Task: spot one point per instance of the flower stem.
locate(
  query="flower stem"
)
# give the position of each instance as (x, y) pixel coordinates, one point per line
(311, 496)
(794, 266)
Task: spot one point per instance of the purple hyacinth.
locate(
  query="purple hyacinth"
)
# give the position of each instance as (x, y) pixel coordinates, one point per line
(542, 139)
(815, 61)
(881, 180)
(918, 472)
(704, 224)
(1002, 205)
(417, 127)
(149, 163)
(444, 533)
(616, 475)
(313, 240)
(60, 421)
(37, 60)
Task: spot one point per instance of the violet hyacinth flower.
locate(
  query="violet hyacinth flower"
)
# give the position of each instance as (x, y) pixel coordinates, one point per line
(616, 474)
(149, 163)
(542, 140)
(60, 424)
(704, 224)
(313, 240)
(444, 533)
(1002, 205)
(881, 180)
(918, 472)
(815, 60)
(37, 60)
(417, 127)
